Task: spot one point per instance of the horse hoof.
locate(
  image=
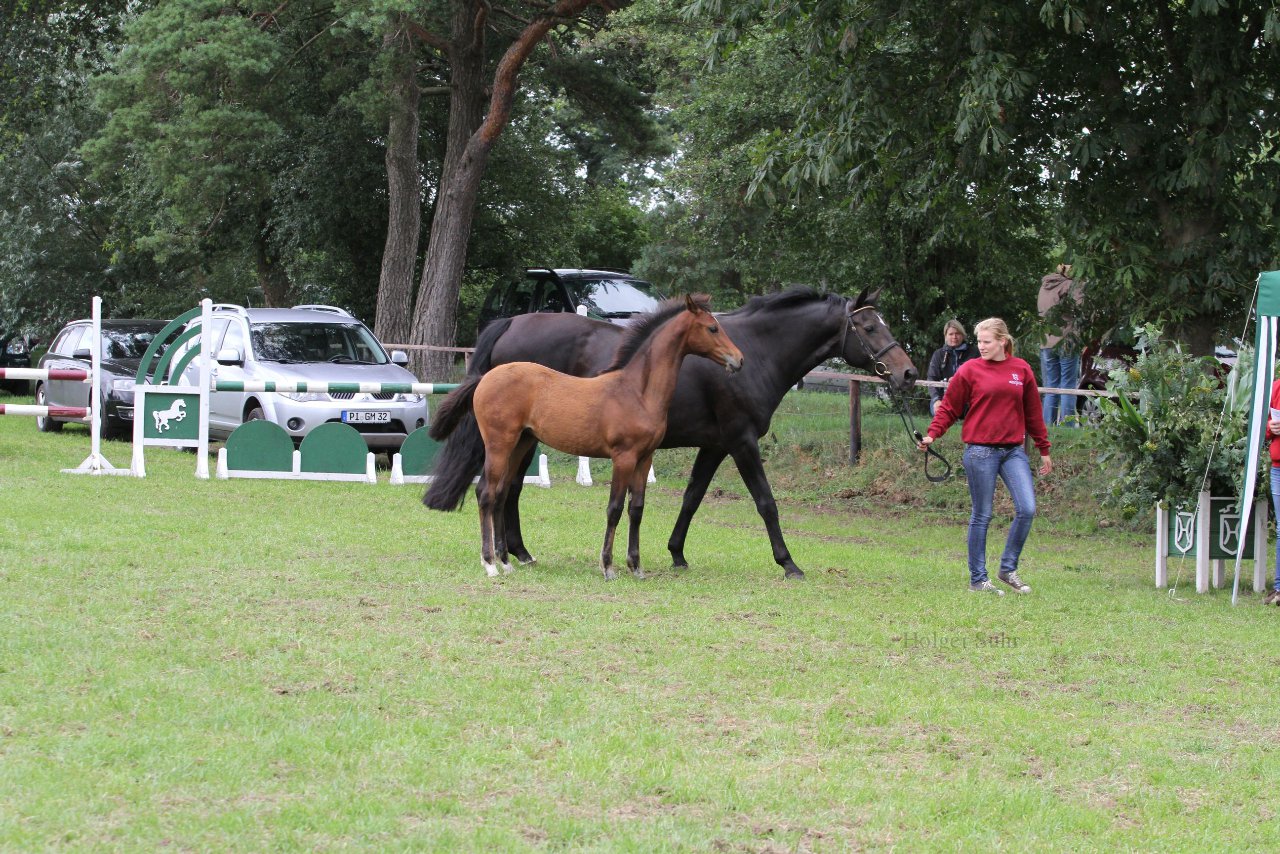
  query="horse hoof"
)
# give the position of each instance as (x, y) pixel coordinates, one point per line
(795, 575)
(638, 573)
(680, 563)
(609, 574)
(526, 559)
(507, 569)
(490, 569)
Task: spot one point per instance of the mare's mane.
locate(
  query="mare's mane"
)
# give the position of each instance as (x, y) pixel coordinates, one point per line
(793, 296)
(644, 327)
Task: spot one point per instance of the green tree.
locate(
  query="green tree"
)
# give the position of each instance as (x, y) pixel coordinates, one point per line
(484, 49)
(54, 224)
(940, 245)
(201, 120)
(1149, 128)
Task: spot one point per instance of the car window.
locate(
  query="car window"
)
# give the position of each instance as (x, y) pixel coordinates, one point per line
(63, 344)
(520, 297)
(613, 297)
(128, 342)
(316, 342)
(83, 341)
(551, 299)
(234, 339)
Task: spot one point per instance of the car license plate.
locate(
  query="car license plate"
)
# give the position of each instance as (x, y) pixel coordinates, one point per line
(366, 416)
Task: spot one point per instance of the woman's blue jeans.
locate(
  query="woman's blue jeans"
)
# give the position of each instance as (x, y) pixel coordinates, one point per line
(1275, 503)
(982, 464)
(1058, 369)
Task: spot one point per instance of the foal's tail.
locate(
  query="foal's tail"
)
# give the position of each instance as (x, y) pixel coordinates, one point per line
(462, 457)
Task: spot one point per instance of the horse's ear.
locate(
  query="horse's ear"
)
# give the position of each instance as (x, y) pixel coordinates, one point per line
(866, 298)
(698, 302)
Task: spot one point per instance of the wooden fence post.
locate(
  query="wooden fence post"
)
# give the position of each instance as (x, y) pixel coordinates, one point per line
(855, 421)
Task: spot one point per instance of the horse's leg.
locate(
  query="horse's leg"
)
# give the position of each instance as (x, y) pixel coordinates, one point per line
(622, 470)
(515, 474)
(747, 458)
(704, 468)
(488, 494)
(484, 503)
(639, 480)
(515, 538)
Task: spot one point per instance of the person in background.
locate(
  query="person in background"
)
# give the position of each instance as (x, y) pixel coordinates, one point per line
(1000, 392)
(1273, 441)
(1060, 354)
(947, 359)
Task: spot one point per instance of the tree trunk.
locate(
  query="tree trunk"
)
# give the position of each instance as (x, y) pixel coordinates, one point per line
(435, 315)
(472, 135)
(273, 280)
(393, 320)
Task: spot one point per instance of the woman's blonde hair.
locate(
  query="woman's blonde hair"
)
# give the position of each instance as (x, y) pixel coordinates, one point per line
(998, 330)
(956, 325)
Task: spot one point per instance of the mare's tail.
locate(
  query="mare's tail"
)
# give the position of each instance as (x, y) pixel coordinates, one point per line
(462, 457)
(452, 409)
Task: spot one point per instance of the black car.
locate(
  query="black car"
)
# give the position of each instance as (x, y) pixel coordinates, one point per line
(123, 344)
(1098, 360)
(602, 294)
(15, 352)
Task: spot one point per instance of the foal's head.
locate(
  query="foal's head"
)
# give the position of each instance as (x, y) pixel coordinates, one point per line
(701, 332)
(705, 336)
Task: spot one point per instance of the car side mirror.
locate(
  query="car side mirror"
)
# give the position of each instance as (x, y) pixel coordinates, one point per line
(82, 353)
(399, 357)
(229, 356)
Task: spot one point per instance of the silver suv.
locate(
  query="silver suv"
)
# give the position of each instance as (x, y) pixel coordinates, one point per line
(308, 343)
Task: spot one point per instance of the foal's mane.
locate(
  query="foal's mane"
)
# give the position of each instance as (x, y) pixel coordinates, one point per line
(644, 327)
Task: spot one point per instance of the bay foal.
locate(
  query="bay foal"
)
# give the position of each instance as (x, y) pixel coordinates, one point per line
(620, 414)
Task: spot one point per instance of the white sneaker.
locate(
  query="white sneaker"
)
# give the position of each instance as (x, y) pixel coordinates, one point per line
(986, 587)
(1015, 582)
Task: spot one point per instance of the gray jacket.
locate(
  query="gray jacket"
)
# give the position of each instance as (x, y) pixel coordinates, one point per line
(1053, 288)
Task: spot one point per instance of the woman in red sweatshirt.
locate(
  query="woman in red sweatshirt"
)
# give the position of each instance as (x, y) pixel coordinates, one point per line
(1003, 402)
(1273, 439)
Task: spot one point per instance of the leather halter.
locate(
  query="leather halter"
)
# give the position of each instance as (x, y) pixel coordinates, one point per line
(877, 364)
(882, 370)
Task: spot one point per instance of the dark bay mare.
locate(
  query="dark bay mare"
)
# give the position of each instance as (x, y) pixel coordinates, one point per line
(782, 337)
(620, 414)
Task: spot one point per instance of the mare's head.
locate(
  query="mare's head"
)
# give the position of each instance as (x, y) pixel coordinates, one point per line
(868, 343)
(700, 330)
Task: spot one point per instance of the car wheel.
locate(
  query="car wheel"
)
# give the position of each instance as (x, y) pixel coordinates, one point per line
(44, 423)
(255, 414)
(1090, 411)
(107, 428)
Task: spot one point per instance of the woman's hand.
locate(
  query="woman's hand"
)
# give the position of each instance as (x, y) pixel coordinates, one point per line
(924, 443)
(1273, 426)
(1046, 464)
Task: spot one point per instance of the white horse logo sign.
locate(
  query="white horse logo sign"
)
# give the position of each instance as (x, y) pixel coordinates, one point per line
(170, 418)
(176, 412)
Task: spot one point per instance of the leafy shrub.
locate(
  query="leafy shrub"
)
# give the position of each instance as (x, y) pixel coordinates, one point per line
(1175, 428)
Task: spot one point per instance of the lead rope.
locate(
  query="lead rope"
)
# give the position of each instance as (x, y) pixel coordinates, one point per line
(900, 400)
(909, 423)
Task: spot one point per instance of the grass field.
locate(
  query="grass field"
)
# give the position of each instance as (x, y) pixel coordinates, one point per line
(255, 665)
